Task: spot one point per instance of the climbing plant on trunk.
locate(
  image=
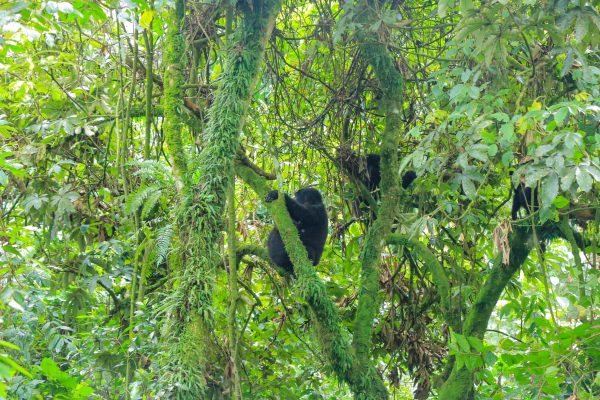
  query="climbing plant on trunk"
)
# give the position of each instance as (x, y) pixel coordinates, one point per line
(201, 212)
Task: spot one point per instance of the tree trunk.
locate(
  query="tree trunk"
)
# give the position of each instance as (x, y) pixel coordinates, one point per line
(200, 218)
(459, 384)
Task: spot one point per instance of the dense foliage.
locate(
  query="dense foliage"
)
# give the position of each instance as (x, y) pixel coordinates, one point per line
(139, 138)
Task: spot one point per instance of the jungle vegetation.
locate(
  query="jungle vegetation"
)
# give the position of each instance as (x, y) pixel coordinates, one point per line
(138, 140)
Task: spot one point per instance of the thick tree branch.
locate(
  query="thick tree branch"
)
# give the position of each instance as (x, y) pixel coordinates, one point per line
(333, 339)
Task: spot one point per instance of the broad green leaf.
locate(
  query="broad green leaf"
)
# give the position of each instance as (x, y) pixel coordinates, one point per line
(489, 358)
(507, 132)
(561, 114)
(544, 149)
(549, 188)
(584, 179)
(462, 342)
(581, 28)
(146, 19)
(560, 202)
(476, 343)
(468, 187)
(473, 361)
(593, 171)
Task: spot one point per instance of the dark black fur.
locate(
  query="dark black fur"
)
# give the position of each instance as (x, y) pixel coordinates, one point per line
(367, 169)
(522, 199)
(308, 213)
(374, 173)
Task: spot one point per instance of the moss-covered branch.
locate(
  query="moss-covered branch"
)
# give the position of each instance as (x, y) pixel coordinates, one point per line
(201, 216)
(459, 384)
(391, 83)
(174, 61)
(365, 383)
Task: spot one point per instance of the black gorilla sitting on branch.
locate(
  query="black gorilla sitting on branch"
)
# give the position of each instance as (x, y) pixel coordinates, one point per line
(310, 217)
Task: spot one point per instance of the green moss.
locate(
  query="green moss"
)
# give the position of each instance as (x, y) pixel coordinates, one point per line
(460, 382)
(174, 60)
(202, 213)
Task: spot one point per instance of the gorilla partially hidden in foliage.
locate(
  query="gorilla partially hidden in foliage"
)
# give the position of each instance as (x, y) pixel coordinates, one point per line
(310, 217)
(368, 171)
(522, 198)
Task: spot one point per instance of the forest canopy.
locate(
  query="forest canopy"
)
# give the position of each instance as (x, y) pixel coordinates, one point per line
(300, 200)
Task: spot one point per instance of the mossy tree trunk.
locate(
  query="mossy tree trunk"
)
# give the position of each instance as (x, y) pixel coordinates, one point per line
(459, 384)
(206, 179)
(174, 61)
(391, 85)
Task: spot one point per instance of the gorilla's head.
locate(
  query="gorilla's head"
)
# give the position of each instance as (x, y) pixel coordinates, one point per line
(309, 196)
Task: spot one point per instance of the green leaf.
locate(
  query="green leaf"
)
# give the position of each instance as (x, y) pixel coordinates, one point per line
(468, 187)
(567, 179)
(593, 171)
(544, 149)
(463, 343)
(34, 200)
(9, 249)
(581, 28)
(443, 6)
(9, 345)
(479, 151)
(549, 188)
(560, 202)
(488, 137)
(473, 362)
(584, 179)
(507, 158)
(507, 133)
(475, 343)
(375, 26)
(489, 358)
(466, 5)
(551, 372)
(12, 364)
(146, 19)
(3, 178)
(457, 92)
(561, 114)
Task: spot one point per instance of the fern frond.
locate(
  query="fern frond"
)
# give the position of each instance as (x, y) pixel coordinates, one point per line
(136, 199)
(154, 171)
(150, 203)
(163, 243)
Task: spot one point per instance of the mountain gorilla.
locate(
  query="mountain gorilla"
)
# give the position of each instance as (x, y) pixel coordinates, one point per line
(310, 217)
(368, 171)
(522, 199)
